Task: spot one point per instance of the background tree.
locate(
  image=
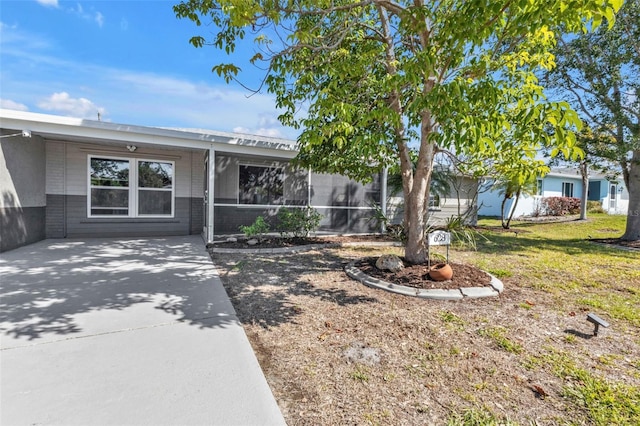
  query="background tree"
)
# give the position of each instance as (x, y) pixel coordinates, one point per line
(378, 77)
(599, 73)
(600, 154)
(513, 187)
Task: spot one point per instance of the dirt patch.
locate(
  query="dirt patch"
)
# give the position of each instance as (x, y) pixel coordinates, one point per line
(417, 276)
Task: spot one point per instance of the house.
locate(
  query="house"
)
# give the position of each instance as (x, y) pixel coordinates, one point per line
(611, 194)
(65, 177)
(459, 199)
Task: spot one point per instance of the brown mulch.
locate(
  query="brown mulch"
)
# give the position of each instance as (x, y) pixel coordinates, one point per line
(417, 276)
(279, 242)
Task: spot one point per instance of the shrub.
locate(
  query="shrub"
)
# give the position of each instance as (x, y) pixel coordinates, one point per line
(595, 207)
(298, 222)
(257, 229)
(560, 206)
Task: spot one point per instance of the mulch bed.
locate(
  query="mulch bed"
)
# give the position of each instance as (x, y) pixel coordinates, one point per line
(279, 242)
(417, 276)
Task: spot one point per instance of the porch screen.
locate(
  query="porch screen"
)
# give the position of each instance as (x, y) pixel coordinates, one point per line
(260, 185)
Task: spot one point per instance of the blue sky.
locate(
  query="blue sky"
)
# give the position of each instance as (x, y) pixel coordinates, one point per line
(129, 60)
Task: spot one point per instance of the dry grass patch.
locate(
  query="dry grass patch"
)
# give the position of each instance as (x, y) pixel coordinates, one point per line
(337, 352)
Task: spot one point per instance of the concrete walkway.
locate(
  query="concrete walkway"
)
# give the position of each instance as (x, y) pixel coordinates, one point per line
(124, 332)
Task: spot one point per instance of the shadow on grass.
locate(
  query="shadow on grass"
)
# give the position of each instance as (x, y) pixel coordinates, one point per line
(264, 289)
(512, 243)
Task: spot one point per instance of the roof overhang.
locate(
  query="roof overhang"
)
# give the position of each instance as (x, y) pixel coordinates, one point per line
(54, 127)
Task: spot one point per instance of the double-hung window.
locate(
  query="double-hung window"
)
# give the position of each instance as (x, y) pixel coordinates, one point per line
(434, 201)
(130, 187)
(567, 189)
(539, 187)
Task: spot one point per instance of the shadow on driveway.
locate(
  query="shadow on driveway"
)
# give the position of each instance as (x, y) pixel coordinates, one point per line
(48, 288)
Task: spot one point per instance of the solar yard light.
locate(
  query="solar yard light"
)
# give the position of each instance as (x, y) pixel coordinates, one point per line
(597, 322)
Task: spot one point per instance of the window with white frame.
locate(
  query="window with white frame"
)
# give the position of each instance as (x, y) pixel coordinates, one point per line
(567, 189)
(539, 187)
(260, 185)
(434, 201)
(129, 187)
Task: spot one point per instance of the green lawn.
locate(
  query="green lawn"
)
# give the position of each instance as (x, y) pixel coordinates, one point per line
(558, 258)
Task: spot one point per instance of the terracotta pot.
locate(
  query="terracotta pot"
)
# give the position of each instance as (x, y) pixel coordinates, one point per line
(441, 272)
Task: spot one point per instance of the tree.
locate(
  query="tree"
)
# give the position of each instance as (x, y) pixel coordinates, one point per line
(378, 77)
(600, 74)
(513, 187)
(598, 148)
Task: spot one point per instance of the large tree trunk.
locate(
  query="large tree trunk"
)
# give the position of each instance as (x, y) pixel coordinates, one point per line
(415, 250)
(632, 181)
(584, 172)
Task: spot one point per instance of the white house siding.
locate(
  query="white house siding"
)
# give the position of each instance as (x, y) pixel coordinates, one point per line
(447, 208)
(67, 189)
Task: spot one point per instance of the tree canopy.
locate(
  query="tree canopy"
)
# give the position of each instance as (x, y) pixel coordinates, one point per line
(599, 73)
(378, 78)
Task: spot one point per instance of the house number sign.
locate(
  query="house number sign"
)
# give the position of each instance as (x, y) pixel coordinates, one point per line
(439, 238)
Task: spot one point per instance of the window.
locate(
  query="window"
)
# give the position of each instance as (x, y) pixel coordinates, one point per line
(539, 187)
(434, 201)
(155, 188)
(124, 187)
(109, 187)
(261, 185)
(567, 189)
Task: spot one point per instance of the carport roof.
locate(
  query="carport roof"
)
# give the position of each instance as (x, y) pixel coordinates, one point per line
(83, 130)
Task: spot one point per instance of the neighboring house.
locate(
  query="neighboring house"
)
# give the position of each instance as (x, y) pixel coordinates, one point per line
(459, 201)
(64, 177)
(558, 183)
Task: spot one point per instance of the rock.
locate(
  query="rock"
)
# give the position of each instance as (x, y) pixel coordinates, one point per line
(252, 242)
(360, 353)
(389, 262)
(232, 240)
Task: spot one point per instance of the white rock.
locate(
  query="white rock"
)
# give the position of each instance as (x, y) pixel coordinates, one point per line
(232, 240)
(252, 242)
(389, 262)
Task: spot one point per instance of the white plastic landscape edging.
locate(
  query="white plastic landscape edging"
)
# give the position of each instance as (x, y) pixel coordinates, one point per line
(496, 287)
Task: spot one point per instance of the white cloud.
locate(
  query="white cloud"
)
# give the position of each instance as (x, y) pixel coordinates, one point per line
(9, 104)
(99, 19)
(48, 3)
(62, 103)
(124, 24)
(33, 75)
(79, 11)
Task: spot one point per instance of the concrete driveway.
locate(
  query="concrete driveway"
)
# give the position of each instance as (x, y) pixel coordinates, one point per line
(124, 332)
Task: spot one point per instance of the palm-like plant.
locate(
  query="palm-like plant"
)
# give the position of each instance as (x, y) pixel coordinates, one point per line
(514, 187)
